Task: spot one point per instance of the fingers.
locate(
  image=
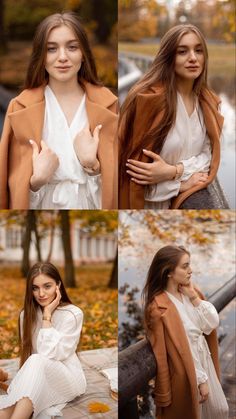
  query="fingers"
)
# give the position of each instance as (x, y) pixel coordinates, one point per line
(96, 133)
(151, 154)
(142, 182)
(43, 145)
(137, 169)
(35, 148)
(138, 163)
(138, 176)
(203, 398)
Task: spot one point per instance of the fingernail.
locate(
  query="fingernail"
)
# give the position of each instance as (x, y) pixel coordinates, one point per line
(144, 149)
(31, 141)
(128, 160)
(99, 126)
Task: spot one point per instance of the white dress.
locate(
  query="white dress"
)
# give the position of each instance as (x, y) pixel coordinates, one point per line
(70, 187)
(186, 143)
(198, 320)
(52, 375)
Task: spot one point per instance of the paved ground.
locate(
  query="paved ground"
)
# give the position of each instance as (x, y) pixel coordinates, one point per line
(98, 387)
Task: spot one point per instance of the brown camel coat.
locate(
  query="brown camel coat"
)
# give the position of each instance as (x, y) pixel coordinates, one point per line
(24, 121)
(131, 195)
(176, 391)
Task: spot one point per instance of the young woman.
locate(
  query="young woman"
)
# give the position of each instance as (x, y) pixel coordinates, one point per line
(50, 373)
(181, 329)
(170, 126)
(58, 143)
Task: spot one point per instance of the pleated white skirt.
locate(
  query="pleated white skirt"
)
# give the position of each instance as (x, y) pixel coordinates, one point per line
(49, 384)
(216, 406)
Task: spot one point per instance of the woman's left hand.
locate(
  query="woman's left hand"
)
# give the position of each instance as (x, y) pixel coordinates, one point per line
(86, 147)
(48, 310)
(150, 173)
(187, 289)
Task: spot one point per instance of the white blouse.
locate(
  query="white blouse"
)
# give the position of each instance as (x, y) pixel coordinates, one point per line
(187, 143)
(70, 187)
(196, 321)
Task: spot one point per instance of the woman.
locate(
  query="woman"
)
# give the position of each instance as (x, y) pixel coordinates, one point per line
(50, 373)
(170, 127)
(59, 133)
(181, 329)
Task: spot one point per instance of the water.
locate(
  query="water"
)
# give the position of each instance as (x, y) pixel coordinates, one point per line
(226, 173)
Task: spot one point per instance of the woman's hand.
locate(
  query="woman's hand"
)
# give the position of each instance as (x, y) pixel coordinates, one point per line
(45, 163)
(189, 291)
(150, 173)
(194, 180)
(86, 147)
(204, 392)
(48, 310)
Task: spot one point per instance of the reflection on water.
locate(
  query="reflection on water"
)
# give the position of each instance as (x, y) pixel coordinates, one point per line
(226, 172)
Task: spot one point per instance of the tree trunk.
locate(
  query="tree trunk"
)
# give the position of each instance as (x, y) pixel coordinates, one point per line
(29, 226)
(3, 44)
(52, 229)
(113, 282)
(66, 243)
(37, 238)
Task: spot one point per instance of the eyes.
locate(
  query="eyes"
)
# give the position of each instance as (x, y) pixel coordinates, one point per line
(185, 51)
(69, 47)
(47, 286)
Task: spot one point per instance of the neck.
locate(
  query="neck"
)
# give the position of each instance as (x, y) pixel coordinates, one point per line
(172, 288)
(70, 88)
(185, 87)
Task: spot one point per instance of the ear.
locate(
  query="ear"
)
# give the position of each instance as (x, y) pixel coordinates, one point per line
(59, 285)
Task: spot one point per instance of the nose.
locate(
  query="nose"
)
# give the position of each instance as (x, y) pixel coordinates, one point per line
(41, 292)
(190, 270)
(192, 55)
(62, 55)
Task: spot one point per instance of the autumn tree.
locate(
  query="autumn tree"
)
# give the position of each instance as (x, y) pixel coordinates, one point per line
(137, 19)
(66, 243)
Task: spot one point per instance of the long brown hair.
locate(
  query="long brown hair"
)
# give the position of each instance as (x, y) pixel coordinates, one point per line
(36, 73)
(163, 263)
(31, 305)
(162, 74)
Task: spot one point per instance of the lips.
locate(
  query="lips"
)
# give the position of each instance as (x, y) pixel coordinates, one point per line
(63, 68)
(192, 68)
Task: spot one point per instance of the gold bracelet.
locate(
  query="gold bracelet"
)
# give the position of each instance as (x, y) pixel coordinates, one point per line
(178, 172)
(193, 298)
(47, 318)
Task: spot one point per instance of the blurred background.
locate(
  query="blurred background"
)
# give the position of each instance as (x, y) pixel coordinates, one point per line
(209, 235)
(18, 21)
(141, 25)
(83, 246)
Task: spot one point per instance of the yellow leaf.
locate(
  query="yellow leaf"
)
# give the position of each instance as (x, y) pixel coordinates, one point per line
(97, 407)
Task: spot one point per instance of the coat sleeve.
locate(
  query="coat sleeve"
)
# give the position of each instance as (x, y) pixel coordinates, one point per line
(156, 336)
(60, 342)
(5, 145)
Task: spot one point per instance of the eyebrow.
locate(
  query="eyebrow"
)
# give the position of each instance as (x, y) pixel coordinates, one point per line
(187, 46)
(46, 283)
(67, 42)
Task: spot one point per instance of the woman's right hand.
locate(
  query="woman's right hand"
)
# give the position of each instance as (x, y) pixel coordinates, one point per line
(45, 163)
(195, 179)
(204, 392)
(48, 310)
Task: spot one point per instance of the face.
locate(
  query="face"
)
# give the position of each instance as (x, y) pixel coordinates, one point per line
(182, 272)
(64, 57)
(189, 60)
(44, 289)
